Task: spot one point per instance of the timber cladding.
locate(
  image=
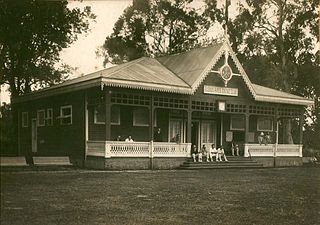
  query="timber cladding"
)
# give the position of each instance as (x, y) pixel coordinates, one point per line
(53, 136)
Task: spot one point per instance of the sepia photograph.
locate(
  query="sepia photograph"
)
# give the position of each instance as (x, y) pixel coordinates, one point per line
(160, 112)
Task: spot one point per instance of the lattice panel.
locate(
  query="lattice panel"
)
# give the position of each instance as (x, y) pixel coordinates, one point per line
(203, 106)
(130, 99)
(236, 108)
(265, 110)
(171, 149)
(135, 149)
(170, 102)
(289, 112)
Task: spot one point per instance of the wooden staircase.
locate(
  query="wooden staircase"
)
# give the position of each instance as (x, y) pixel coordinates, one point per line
(233, 162)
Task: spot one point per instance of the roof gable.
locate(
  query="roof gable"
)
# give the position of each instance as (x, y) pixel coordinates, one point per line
(190, 65)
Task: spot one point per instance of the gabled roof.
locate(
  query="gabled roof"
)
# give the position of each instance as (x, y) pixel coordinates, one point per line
(181, 73)
(190, 65)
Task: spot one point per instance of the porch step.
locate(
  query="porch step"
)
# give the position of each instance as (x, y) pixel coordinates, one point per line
(233, 162)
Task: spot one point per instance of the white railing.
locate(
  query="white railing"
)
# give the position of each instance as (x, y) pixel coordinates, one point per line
(151, 149)
(167, 149)
(125, 149)
(272, 150)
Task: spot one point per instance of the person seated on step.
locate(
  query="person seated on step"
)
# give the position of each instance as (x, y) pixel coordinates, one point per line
(194, 153)
(201, 153)
(204, 152)
(235, 149)
(213, 153)
(221, 154)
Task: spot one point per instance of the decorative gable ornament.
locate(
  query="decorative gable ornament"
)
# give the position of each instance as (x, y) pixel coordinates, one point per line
(225, 71)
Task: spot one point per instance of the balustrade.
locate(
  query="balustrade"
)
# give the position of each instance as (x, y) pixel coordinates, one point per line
(151, 149)
(272, 150)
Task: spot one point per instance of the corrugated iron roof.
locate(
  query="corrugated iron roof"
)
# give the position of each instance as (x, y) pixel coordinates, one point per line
(266, 94)
(180, 73)
(190, 65)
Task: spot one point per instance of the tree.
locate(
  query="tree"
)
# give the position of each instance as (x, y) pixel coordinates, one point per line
(32, 35)
(155, 27)
(275, 40)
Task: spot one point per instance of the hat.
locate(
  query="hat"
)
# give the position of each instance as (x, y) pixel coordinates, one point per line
(261, 133)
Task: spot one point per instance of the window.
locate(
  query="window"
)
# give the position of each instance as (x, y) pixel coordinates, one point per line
(265, 124)
(41, 118)
(237, 122)
(99, 114)
(115, 115)
(24, 120)
(141, 117)
(66, 115)
(176, 131)
(49, 117)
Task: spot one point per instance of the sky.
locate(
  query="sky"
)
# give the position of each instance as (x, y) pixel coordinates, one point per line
(81, 54)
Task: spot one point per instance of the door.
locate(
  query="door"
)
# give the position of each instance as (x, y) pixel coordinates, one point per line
(208, 133)
(34, 135)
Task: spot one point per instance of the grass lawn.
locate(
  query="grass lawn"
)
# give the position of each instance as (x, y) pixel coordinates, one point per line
(251, 196)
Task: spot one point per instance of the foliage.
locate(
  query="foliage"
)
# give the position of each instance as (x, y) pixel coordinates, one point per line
(32, 34)
(275, 40)
(155, 27)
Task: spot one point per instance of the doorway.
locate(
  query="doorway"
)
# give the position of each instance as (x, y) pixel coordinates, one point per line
(195, 133)
(34, 146)
(208, 133)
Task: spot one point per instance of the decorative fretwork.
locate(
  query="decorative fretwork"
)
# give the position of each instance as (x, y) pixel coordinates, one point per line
(130, 99)
(236, 108)
(202, 106)
(262, 110)
(289, 112)
(170, 102)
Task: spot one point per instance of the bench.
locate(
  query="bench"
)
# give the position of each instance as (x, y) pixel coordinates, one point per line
(13, 161)
(51, 161)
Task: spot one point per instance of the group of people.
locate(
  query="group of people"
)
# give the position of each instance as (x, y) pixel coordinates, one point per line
(210, 153)
(264, 138)
(128, 139)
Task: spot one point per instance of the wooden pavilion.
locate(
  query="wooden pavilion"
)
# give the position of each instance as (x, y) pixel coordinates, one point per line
(198, 97)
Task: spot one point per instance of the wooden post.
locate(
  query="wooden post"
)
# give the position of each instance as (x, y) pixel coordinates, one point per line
(189, 121)
(151, 152)
(247, 117)
(151, 119)
(301, 121)
(276, 138)
(221, 130)
(86, 124)
(108, 114)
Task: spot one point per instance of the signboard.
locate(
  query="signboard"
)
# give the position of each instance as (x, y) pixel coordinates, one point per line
(215, 90)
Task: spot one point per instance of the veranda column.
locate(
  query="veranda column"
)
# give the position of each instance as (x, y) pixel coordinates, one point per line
(301, 121)
(189, 121)
(246, 138)
(276, 135)
(151, 119)
(108, 114)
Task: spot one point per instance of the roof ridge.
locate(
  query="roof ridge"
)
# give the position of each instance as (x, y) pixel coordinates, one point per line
(125, 65)
(172, 72)
(192, 49)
